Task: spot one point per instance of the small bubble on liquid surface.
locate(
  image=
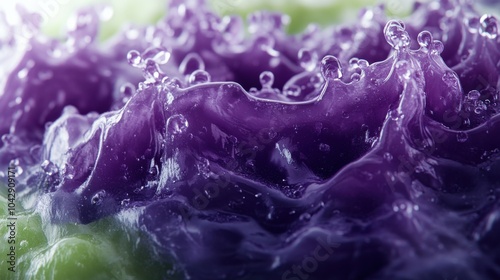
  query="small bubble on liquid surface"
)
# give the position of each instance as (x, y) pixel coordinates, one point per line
(177, 124)
(330, 67)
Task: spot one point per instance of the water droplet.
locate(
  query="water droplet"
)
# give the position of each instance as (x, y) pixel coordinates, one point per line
(257, 195)
(23, 243)
(425, 39)
(488, 26)
(462, 137)
(266, 79)
(396, 35)
(308, 59)
(293, 91)
(134, 58)
(330, 67)
(324, 147)
(49, 168)
(177, 124)
(98, 198)
(199, 77)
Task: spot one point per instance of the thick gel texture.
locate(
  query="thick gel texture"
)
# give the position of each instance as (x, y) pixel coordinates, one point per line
(369, 150)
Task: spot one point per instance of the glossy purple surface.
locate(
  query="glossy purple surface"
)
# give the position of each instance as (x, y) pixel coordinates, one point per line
(364, 151)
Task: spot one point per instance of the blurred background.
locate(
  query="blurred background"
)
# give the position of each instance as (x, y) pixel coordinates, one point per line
(55, 13)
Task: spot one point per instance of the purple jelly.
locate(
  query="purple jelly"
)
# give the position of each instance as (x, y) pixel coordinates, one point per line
(368, 150)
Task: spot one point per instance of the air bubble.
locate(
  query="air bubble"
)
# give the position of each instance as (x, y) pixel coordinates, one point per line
(177, 124)
(396, 35)
(266, 79)
(308, 59)
(127, 89)
(488, 26)
(330, 67)
(473, 95)
(199, 77)
(134, 58)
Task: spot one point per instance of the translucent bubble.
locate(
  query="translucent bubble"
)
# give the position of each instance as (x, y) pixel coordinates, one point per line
(177, 124)
(462, 137)
(199, 77)
(98, 198)
(488, 26)
(293, 90)
(425, 39)
(396, 35)
(134, 58)
(266, 79)
(307, 59)
(330, 67)
(473, 95)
